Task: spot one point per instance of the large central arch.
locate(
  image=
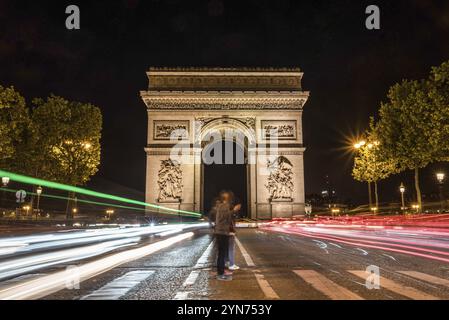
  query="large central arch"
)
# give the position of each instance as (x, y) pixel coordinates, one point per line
(261, 104)
(230, 131)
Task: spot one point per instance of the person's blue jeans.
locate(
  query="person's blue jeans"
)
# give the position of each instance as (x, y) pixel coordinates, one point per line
(231, 251)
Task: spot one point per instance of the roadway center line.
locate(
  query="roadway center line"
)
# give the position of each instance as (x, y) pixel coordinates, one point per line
(193, 276)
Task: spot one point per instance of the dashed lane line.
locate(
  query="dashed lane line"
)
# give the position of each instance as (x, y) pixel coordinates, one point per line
(194, 274)
(264, 285)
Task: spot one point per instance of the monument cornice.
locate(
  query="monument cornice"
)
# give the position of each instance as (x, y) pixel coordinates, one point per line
(160, 100)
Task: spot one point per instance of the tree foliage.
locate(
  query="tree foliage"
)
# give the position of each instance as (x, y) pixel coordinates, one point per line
(14, 121)
(70, 137)
(58, 140)
(413, 125)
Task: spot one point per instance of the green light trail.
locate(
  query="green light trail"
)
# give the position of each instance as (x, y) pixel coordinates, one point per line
(59, 186)
(52, 196)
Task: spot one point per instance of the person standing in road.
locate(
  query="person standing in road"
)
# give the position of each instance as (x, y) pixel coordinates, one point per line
(223, 227)
(230, 259)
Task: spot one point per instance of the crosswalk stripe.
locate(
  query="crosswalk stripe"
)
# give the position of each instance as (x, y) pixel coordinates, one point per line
(326, 286)
(120, 286)
(265, 286)
(396, 287)
(426, 277)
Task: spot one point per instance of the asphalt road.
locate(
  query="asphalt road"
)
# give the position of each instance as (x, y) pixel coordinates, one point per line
(274, 265)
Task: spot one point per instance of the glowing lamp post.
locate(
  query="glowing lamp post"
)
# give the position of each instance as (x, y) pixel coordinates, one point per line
(5, 181)
(38, 192)
(402, 190)
(440, 178)
(109, 212)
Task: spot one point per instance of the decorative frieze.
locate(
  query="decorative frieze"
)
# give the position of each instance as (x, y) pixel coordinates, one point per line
(170, 129)
(279, 129)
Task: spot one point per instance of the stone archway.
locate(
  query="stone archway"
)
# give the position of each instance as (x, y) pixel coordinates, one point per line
(264, 105)
(230, 131)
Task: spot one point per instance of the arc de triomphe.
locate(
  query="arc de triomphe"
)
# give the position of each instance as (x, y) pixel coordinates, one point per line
(186, 106)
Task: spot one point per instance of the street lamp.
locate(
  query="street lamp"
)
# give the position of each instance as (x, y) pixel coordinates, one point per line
(5, 181)
(38, 192)
(440, 178)
(109, 212)
(402, 190)
(27, 209)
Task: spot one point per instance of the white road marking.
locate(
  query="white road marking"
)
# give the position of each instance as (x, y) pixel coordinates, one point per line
(326, 286)
(364, 252)
(191, 279)
(336, 245)
(391, 257)
(193, 276)
(120, 286)
(43, 286)
(182, 295)
(249, 261)
(264, 285)
(398, 288)
(426, 277)
(203, 260)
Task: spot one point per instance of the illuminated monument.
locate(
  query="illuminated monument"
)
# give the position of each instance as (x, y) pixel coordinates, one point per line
(186, 106)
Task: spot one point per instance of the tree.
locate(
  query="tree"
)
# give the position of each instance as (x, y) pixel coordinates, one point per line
(370, 166)
(14, 121)
(70, 135)
(413, 126)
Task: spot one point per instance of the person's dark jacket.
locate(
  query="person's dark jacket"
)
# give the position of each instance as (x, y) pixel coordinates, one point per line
(224, 219)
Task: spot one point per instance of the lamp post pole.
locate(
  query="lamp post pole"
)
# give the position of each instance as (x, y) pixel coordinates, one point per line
(402, 190)
(38, 192)
(440, 178)
(5, 182)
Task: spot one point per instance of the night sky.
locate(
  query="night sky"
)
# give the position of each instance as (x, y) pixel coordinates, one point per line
(348, 69)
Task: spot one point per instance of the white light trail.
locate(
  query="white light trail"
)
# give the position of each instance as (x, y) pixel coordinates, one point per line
(43, 286)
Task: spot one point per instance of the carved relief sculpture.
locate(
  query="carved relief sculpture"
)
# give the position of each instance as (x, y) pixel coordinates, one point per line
(163, 130)
(279, 129)
(170, 181)
(280, 179)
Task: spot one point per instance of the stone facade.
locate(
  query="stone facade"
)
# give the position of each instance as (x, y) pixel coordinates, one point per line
(265, 105)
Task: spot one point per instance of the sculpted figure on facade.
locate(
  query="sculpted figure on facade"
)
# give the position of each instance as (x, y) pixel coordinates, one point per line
(280, 179)
(170, 181)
